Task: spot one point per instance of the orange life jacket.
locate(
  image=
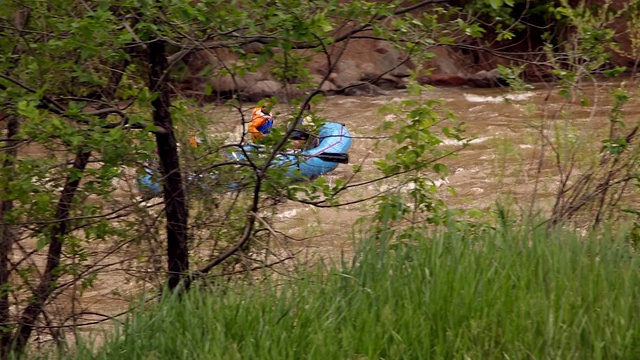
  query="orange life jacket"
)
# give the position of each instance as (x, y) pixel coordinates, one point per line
(260, 124)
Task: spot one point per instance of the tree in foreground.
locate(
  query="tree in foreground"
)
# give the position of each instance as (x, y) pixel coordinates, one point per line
(87, 100)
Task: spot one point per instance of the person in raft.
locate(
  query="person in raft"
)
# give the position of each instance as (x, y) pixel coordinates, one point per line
(300, 136)
(261, 123)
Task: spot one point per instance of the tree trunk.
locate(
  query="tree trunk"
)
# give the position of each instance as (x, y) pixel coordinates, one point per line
(8, 235)
(7, 239)
(56, 237)
(176, 210)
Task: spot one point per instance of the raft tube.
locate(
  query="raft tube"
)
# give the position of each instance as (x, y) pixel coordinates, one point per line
(334, 141)
(148, 185)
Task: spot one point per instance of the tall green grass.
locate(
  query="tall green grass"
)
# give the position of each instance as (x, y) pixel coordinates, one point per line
(504, 294)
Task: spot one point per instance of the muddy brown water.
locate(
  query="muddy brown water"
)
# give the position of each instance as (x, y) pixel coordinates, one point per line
(501, 162)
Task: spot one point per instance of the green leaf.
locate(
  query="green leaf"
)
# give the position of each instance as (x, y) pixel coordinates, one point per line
(614, 72)
(565, 93)
(496, 4)
(41, 243)
(440, 168)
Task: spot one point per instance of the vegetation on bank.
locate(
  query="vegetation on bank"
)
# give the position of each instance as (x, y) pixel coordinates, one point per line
(510, 292)
(89, 86)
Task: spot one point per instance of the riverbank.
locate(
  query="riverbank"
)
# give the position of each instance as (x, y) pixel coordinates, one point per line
(509, 292)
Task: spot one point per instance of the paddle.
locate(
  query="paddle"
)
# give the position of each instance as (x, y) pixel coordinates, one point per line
(340, 158)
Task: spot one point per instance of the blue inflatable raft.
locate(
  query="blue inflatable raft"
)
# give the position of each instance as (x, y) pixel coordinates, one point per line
(332, 145)
(333, 142)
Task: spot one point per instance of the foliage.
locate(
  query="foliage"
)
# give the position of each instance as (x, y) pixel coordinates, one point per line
(513, 19)
(446, 294)
(86, 91)
(595, 174)
(419, 133)
(290, 68)
(632, 16)
(513, 76)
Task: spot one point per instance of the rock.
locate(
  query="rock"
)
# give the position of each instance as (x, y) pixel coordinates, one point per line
(346, 65)
(368, 68)
(289, 92)
(362, 89)
(385, 82)
(369, 77)
(387, 62)
(382, 50)
(384, 47)
(390, 63)
(261, 90)
(403, 82)
(328, 87)
(209, 59)
(325, 87)
(388, 82)
(445, 80)
(400, 71)
(486, 79)
(347, 77)
(225, 84)
(448, 61)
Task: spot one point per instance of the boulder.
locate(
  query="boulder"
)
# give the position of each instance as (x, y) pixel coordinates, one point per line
(290, 91)
(326, 87)
(261, 90)
(445, 80)
(209, 60)
(403, 82)
(362, 89)
(346, 65)
(346, 77)
(486, 79)
(400, 71)
(391, 63)
(388, 82)
(448, 61)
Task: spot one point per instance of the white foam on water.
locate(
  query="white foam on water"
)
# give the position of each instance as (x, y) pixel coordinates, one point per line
(498, 99)
(458, 142)
(287, 214)
(439, 182)
(349, 101)
(406, 187)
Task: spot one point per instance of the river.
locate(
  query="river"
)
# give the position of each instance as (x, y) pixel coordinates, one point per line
(502, 162)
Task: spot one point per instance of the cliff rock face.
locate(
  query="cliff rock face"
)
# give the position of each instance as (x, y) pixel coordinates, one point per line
(366, 68)
(370, 67)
